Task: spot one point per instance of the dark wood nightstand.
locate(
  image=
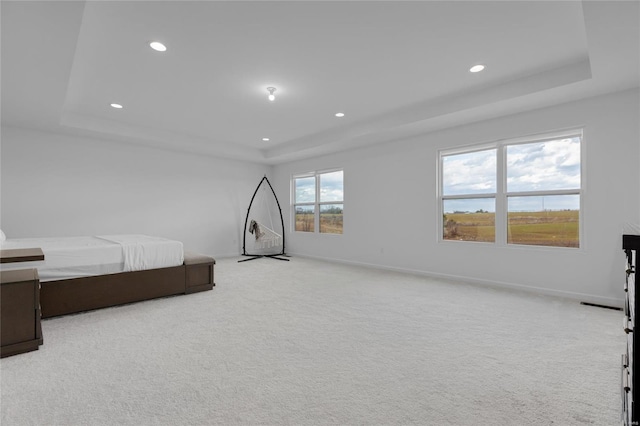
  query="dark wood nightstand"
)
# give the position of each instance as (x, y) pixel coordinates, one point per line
(20, 328)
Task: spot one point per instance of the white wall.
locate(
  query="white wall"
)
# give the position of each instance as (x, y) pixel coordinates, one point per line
(55, 186)
(391, 213)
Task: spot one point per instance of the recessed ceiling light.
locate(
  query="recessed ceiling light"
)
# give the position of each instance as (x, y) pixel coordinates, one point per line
(156, 45)
(116, 106)
(339, 114)
(265, 139)
(476, 68)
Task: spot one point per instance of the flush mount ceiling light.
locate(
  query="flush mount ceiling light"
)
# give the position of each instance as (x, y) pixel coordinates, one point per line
(339, 114)
(271, 97)
(476, 68)
(156, 45)
(265, 139)
(116, 106)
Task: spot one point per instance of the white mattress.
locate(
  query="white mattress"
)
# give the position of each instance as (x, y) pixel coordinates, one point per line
(75, 257)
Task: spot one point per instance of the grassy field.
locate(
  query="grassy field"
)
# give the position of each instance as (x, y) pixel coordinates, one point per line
(547, 228)
(330, 223)
(305, 222)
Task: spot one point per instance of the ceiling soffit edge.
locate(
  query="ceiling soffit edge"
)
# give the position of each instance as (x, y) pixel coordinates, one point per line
(579, 71)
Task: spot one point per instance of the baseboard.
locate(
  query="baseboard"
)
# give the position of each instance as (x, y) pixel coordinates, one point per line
(581, 297)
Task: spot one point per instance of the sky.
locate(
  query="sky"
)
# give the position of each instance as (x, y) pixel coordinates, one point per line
(535, 166)
(331, 188)
(538, 166)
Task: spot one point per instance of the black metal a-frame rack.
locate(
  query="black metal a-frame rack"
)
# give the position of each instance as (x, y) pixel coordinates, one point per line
(244, 234)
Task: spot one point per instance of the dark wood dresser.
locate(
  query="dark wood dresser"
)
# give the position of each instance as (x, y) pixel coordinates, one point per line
(20, 328)
(630, 413)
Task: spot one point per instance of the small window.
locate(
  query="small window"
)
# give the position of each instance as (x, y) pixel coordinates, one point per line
(525, 192)
(321, 192)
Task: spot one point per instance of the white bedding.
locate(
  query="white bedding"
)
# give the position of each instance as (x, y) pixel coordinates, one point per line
(75, 257)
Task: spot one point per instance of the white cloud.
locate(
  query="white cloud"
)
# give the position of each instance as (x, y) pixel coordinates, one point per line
(331, 188)
(544, 165)
(469, 173)
(536, 166)
(305, 189)
(530, 167)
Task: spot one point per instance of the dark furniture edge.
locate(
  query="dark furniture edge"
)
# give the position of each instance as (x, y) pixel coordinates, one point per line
(20, 320)
(21, 255)
(70, 296)
(16, 276)
(630, 242)
(75, 295)
(19, 348)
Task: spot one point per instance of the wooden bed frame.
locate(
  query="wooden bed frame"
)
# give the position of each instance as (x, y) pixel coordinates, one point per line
(75, 295)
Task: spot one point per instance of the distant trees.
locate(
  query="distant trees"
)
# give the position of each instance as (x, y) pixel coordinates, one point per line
(467, 211)
(332, 210)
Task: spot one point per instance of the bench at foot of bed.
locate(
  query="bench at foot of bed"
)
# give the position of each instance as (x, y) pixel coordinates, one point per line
(199, 272)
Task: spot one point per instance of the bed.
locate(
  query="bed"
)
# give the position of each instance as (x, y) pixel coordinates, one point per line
(84, 273)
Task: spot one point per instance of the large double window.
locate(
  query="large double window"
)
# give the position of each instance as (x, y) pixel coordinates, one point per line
(318, 202)
(525, 191)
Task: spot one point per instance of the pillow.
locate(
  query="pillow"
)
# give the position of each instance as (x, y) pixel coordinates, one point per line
(2, 236)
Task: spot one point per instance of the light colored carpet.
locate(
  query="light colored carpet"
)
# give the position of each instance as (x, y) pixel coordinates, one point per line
(313, 343)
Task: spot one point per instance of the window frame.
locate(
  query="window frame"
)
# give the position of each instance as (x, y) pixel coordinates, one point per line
(501, 194)
(316, 204)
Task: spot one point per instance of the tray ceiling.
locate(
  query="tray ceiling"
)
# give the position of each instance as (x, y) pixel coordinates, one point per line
(395, 69)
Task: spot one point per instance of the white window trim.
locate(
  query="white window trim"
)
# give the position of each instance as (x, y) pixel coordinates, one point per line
(316, 204)
(501, 195)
